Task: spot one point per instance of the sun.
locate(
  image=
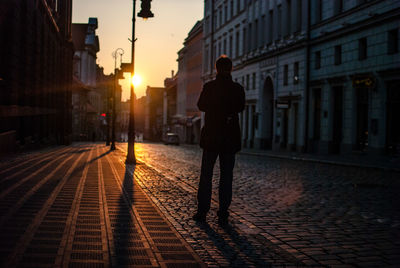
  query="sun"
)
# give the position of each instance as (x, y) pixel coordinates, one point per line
(136, 80)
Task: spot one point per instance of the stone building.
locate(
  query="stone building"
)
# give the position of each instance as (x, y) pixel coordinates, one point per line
(354, 77)
(140, 111)
(283, 53)
(153, 125)
(123, 121)
(169, 104)
(190, 62)
(35, 72)
(87, 101)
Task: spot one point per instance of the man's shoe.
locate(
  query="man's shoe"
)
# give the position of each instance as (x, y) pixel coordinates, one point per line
(200, 218)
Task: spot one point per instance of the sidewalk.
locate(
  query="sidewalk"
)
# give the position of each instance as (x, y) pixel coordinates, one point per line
(79, 206)
(354, 160)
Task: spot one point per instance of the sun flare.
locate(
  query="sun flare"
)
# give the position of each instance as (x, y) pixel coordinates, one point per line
(136, 80)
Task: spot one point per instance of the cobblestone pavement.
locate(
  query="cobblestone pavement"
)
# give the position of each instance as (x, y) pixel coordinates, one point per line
(78, 206)
(283, 212)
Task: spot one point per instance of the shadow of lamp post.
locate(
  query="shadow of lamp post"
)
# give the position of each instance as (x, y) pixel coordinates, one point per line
(145, 13)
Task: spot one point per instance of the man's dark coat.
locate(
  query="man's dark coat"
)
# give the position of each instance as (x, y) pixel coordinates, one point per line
(221, 100)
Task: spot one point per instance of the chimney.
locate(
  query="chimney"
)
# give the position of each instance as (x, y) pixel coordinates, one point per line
(172, 73)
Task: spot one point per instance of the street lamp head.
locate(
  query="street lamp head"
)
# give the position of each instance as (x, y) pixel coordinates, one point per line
(145, 13)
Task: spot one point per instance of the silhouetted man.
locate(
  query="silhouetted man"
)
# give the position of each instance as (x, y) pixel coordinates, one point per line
(221, 100)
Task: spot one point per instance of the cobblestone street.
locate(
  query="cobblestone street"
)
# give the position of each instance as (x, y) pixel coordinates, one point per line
(80, 206)
(283, 212)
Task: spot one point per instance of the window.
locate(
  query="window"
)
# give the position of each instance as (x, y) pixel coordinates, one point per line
(237, 6)
(296, 73)
(214, 56)
(393, 41)
(247, 81)
(262, 31)
(299, 18)
(279, 24)
(289, 17)
(226, 13)
(220, 17)
(254, 81)
(285, 74)
(255, 39)
(249, 39)
(230, 52)
(338, 7)
(224, 51)
(244, 41)
(318, 60)
(231, 7)
(318, 11)
(338, 55)
(237, 44)
(362, 48)
(271, 27)
(219, 49)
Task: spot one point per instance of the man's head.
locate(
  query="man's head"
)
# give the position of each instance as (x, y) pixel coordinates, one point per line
(223, 65)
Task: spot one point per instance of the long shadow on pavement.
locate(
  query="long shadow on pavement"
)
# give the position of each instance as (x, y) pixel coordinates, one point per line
(232, 253)
(124, 230)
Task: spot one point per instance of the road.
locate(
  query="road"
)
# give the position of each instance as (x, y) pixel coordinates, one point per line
(290, 211)
(81, 206)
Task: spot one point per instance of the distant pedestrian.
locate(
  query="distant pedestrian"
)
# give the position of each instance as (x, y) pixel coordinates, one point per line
(221, 100)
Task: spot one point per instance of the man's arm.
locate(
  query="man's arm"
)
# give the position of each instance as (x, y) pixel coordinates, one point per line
(203, 102)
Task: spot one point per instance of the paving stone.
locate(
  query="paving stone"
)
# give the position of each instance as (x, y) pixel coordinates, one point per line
(293, 204)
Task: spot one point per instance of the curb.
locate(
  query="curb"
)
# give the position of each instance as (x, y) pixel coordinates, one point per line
(321, 161)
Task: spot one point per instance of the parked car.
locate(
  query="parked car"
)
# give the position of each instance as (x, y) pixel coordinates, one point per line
(171, 138)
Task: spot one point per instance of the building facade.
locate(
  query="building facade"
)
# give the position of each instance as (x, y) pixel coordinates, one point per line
(87, 100)
(190, 62)
(35, 72)
(290, 103)
(355, 77)
(153, 125)
(170, 104)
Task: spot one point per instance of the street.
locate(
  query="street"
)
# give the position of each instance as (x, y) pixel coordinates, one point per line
(289, 211)
(80, 206)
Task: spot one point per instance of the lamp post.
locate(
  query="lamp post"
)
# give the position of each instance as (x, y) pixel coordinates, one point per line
(144, 13)
(118, 51)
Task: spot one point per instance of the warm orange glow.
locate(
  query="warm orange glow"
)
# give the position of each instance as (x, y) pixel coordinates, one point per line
(136, 80)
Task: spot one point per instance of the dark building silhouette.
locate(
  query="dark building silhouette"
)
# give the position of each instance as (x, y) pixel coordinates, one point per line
(169, 105)
(154, 113)
(36, 54)
(140, 109)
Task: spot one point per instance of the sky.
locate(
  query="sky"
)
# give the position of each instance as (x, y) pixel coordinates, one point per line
(158, 39)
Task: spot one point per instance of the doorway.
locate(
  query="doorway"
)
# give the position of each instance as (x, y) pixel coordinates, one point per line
(285, 128)
(362, 119)
(267, 114)
(337, 125)
(317, 119)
